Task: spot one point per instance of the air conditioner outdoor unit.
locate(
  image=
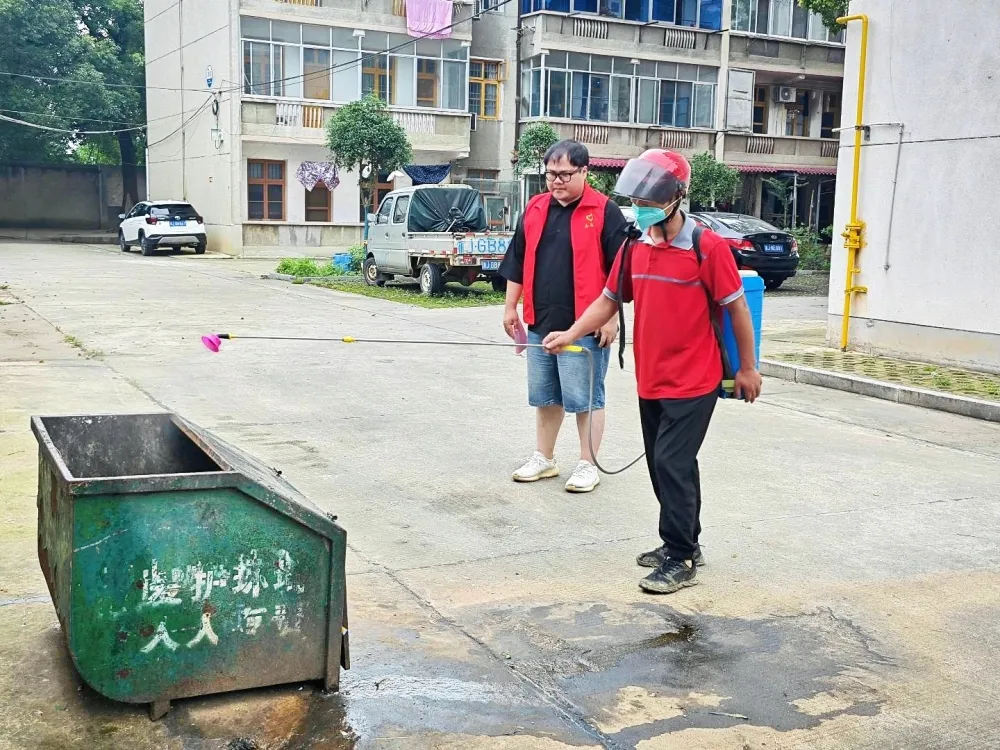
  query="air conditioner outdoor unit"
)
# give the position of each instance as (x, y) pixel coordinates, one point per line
(785, 94)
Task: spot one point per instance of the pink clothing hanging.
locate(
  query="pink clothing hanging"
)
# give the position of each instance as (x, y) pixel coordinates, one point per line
(429, 18)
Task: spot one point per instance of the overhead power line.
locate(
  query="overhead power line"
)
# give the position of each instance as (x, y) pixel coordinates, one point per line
(349, 64)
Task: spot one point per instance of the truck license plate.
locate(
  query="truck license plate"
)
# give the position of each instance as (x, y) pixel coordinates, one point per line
(491, 265)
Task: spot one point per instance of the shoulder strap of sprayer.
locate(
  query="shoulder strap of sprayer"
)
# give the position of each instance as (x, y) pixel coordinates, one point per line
(713, 306)
(633, 236)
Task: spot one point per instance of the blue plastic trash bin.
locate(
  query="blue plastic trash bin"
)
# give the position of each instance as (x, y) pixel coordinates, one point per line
(342, 261)
(753, 289)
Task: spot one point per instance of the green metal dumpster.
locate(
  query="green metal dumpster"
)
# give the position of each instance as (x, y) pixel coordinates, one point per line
(181, 566)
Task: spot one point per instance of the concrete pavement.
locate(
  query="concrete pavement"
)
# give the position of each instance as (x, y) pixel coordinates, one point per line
(849, 601)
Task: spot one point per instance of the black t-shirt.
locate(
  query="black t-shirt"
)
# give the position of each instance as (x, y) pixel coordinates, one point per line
(555, 302)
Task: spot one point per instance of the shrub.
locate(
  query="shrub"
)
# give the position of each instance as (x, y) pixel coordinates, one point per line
(358, 254)
(813, 255)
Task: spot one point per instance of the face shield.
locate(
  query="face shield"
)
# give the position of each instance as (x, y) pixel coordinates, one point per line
(645, 180)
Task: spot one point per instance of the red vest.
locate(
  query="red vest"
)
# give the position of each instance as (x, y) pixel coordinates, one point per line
(586, 225)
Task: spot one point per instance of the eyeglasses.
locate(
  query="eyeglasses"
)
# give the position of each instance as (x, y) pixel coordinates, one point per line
(561, 176)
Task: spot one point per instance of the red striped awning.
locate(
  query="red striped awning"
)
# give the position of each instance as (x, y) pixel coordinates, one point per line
(607, 163)
(772, 168)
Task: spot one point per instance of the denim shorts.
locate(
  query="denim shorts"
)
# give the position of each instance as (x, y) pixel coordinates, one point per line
(564, 379)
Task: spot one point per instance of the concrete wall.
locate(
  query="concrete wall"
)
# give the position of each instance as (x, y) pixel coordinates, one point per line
(65, 196)
(937, 300)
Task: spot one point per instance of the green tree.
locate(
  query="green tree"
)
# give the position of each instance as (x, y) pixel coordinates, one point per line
(363, 137)
(535, 140)
(830, 10)
(115, 54)
(79, 67)
(42, 43)
(782, 190)
(712, 181)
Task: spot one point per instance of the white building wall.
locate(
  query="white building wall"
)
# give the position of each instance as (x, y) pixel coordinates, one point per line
(346, 197)
(937, 300)
(184, 161)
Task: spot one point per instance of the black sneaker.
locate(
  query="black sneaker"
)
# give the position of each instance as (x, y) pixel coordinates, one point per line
(655, 558)
(671, 576)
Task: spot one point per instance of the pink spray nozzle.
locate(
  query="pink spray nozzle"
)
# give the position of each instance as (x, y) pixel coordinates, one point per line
(520, 338)
(212, 342)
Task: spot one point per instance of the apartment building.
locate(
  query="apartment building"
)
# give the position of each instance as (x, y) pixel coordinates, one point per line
(756, 82)
(240, 91)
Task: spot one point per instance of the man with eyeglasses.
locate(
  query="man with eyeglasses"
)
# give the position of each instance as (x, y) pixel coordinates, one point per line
(562, 252)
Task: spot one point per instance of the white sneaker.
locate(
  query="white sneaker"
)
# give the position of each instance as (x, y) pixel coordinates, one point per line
(585, 478)
(538, 467)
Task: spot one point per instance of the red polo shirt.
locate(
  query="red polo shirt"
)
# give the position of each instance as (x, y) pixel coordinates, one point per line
(676, 352)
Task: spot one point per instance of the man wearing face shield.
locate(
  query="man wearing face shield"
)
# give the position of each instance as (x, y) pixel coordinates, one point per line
(678, 276)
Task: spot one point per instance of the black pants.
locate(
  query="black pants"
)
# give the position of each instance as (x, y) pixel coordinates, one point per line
(673, 431)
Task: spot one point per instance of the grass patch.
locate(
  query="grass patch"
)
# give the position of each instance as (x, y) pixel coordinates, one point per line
(477, 295)
(77, 344)
(303, 267)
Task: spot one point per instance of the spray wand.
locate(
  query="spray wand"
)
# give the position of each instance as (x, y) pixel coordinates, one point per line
(213, 342)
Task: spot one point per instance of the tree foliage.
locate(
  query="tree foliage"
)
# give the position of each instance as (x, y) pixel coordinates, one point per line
(363, 137)
(712, 181)
(830, 10)
(535, 140)
(80, 67)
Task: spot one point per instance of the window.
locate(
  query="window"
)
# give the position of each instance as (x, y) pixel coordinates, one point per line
(173, 211)
(831, 115)
(384, 211)
(377, 77)
(316, 83)
(318, 203)
(781, 18)
(760, 108)
(484, 180)
(382, 188)
(265, 190)
(705, 14)
(428, 81)
(399, 214)
(597, 88)
(317, 62)
(797, 115)
(484, 88)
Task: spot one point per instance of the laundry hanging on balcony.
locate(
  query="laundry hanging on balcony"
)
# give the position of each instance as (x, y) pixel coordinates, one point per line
(427, 174)
(311, 173)
(430, 19)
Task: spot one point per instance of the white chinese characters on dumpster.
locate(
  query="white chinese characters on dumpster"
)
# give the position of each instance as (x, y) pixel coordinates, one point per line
(247, 579)
(247, 576)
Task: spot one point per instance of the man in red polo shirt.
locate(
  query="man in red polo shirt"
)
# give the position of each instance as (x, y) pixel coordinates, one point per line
(677, 288)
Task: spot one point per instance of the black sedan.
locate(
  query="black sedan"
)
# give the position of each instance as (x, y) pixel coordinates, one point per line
(756, 245)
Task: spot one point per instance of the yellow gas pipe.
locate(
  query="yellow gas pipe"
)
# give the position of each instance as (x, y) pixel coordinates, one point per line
(854, 231)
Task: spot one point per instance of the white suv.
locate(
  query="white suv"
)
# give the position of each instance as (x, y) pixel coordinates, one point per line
(153, 224)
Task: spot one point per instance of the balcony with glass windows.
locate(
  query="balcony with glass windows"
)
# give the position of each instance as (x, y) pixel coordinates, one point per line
(296, 75)
(682, 30)
(386, 15)
(781, 36)
(789, 125)
(620, 107)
